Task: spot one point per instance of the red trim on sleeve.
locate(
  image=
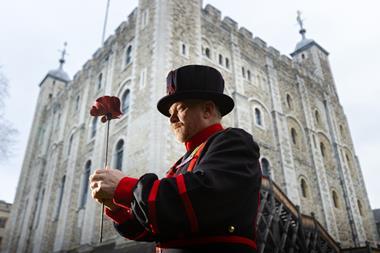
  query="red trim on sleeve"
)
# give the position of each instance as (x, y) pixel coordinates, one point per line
(124, 191)
(119, 216)
(152, 206)
(187, 203)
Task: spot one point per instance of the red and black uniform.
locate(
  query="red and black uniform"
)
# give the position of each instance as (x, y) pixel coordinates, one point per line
(207, 203)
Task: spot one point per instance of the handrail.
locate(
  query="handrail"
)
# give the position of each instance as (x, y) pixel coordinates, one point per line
(308, 222)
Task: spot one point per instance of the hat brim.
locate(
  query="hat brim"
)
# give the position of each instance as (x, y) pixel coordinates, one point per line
(225, 103)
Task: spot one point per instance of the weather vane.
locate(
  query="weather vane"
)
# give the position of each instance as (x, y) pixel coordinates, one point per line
(300, 22)
(62, 60)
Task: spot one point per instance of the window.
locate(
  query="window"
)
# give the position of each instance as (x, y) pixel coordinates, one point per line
(86, 175)
(258, 117)
(100, 80)
(39, 207)
(335, 199)
(184, 50)
(349, 163)
(341, 131)
(119, 155)
(227, 62)
(58, 120)
(360, 208)
(125, 101)
(60, 197)
(293, 132)
(289, 102)
(243, 72)
(77, 103)
(265, 167)
(208, 53)
(93, 126)
(220, 59)
(3, 221)
(304, 188)
(70, 144)
(144, 19)
(143, 78)
(249, 75)
(317, 116)
(128, 55)
(322, 148)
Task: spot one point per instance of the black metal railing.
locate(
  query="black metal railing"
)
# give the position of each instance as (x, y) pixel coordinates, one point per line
(283, 229)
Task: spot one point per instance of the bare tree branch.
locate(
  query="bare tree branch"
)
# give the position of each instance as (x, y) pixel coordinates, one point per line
(7, 131)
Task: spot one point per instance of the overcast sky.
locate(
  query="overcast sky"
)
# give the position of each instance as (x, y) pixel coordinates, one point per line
(33, 32)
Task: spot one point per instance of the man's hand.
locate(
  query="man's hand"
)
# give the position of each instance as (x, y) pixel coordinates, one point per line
(103, 184)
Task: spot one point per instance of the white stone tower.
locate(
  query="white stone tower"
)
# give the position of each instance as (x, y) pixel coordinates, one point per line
(290, 105)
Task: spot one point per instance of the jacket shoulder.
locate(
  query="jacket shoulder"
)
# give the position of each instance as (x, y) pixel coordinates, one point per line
(234, 136)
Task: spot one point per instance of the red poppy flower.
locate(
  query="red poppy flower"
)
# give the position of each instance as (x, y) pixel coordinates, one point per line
(108, 107)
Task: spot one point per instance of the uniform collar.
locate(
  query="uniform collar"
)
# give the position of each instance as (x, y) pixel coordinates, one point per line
(202, 136)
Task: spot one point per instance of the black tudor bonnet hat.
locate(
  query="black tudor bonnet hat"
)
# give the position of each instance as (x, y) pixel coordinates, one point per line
(195, 82)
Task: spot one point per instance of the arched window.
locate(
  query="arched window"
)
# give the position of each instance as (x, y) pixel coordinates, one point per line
(220, 59)
(60, 197)
(348, 160)
(323, 149)
(249, 75)
(335, 199)
(208, 52)
(341, 131)
(293, 132)
(258, 117)
(304, 188)
(70, 144)
(360, 208)
(100, 80)
(265, 167)
(317, 116)
(85, 181)
(93, 126)
(243, 72)
(289, 102)
(128, 55)
(184, 52)
(119, 155)
(125, 101)
(77, 103)
(227, 61)
(39, 207)
(58, 119)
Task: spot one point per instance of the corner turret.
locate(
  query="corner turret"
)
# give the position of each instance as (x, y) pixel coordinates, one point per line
(312, 56)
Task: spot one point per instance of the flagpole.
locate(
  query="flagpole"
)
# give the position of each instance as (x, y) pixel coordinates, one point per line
(105, 22)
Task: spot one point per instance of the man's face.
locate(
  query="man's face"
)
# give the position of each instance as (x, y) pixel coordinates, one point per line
(186, 119)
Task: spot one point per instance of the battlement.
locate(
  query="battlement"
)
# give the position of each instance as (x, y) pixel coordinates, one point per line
(274, 52)
(260, 42)
(215, 15)
(246, 33)
(212, 12)
(286, 59)
(230, 23)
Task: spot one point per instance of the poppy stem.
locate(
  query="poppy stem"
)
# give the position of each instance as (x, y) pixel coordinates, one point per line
(105, 166)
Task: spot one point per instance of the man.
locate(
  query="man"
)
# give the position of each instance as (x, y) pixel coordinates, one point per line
(209, 199)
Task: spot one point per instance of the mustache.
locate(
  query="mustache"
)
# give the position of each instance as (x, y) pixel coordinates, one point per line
(176, 125)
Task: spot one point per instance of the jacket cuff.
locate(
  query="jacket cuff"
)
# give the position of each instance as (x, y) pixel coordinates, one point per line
(124, 191)
(120, 216)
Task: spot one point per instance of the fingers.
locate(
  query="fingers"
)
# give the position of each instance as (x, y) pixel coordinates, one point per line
(97, 175)
(94, 185)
